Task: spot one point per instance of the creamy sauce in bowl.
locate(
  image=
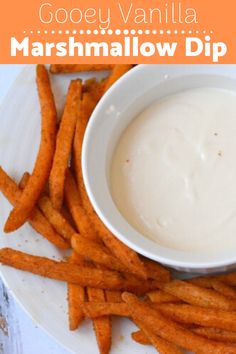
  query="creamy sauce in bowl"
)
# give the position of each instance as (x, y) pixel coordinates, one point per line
(173, 173)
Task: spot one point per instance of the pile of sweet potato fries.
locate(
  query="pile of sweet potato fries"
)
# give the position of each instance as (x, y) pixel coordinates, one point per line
(106, 278)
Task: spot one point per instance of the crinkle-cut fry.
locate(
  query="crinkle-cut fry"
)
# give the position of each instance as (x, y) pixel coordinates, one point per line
(63, 271)
(216, 334)
(76, 296)
(99, 309)
(56, 218)
(161, 345)
(156, 270)
(37, 220)
(102, 325)
(64, 142)
(171, 331)
(224, 289)
(124, 254)
(118, 71)
(201, 316)
(113, 296)
(73, 202)
(198, 296)
(160, 296)
(72, 68)
(43, 163)
(95, 252)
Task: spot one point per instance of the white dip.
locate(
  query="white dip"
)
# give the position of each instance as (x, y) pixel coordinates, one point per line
(173, 174)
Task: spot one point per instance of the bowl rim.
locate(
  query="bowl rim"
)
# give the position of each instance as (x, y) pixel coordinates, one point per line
(180, 264)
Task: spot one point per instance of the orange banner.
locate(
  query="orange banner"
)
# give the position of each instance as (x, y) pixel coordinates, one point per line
(118, 31)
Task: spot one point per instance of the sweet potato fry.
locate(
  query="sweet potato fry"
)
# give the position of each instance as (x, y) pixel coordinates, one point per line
(43, 163)
(172, 332)
(9, 187)
(67, 215)
(63, 271)
(155, 270)
(75, 296)
(89, 85)
(101, 324)
(37, 220)
(73, 202)
(72, 68)
(205, 282)
(99, 309)
(198, 296)
(64, 141)
(117, 72)
(24, 179)
(210, 333)
(140, 338)
(124, 254)
(161, 345)
(95, 88)
(133, 284)
(159, 296)
(57, 220)
(216, 334)
(77, 259)
(224, 289)
(87, 106)
(113, 296)
(229, 279)
(199, 315)
(139, 286)
(95, 252)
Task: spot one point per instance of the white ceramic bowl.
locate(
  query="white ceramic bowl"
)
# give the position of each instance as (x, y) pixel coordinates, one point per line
(125, 100)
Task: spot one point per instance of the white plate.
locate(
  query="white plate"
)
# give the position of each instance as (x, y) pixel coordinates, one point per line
(43, 299)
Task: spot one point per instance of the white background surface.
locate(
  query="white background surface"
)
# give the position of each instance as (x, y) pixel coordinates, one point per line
(24, 337)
